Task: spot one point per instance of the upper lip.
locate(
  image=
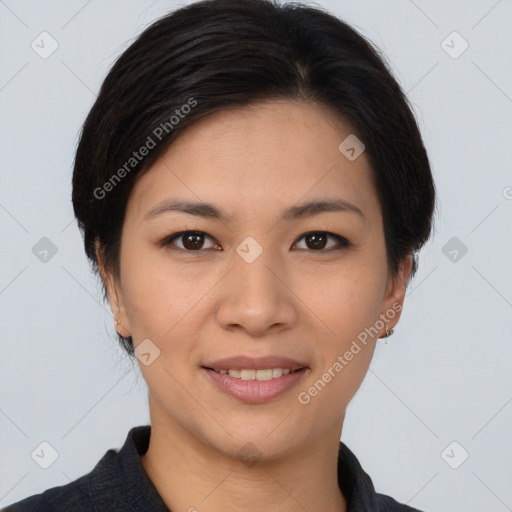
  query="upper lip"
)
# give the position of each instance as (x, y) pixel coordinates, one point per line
(254, 363)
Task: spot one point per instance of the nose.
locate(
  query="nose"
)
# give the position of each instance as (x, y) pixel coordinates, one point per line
(256, 298)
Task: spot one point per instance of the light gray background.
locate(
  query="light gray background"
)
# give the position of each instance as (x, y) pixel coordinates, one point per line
(444, 376)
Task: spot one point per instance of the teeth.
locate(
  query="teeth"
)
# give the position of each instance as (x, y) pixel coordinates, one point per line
(264, 374)
(249, 374)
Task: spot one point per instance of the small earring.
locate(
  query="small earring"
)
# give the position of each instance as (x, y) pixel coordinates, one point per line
(389, 332)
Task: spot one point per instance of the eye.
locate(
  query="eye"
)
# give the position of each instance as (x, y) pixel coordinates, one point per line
(191, 240)
(194, 241)
(317, 241)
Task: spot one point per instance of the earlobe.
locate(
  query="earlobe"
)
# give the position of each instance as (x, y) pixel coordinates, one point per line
(115, 298)
(395, 296)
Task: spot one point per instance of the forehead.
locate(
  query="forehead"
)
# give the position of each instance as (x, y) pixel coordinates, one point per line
(264, 156)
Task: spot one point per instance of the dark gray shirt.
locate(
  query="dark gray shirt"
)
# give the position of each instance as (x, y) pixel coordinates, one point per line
(119, 483)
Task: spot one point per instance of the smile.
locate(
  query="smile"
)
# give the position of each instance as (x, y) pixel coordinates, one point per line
(255, 385)
(259, 374)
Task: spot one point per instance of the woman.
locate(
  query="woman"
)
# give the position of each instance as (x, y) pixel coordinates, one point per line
(252, 188)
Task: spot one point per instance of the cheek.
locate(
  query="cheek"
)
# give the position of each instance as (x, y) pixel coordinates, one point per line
(161, 298)
(348, 306)
(349, 300)
(147, 292)
(343, 355)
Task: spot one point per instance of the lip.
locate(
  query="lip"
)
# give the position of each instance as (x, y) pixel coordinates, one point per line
(254, 363)
(255, 391)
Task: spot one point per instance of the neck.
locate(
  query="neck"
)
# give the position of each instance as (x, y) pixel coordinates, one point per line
(193, 476)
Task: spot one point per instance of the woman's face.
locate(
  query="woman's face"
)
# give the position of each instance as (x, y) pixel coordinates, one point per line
(255, 286)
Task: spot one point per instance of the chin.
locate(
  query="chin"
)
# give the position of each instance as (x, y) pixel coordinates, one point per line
(250, 441)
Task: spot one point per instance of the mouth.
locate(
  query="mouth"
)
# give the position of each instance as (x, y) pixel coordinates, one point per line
(255, 380)
(260, 374)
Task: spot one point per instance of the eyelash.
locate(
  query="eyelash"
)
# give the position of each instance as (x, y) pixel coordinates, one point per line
(343, 242)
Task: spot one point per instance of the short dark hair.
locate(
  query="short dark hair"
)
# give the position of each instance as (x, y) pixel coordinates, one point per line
(215, 54)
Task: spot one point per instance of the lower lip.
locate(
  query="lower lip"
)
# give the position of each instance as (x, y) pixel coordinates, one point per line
(255, 391)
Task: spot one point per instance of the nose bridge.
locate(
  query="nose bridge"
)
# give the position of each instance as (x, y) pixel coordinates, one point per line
(257, 298)
(252, 267)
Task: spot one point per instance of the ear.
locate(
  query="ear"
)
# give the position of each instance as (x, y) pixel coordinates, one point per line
(395, 294)
(115, 295)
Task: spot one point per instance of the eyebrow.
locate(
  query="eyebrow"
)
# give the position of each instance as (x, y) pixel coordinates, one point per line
(208, 210)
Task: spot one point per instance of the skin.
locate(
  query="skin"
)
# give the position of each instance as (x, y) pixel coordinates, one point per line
(293, 301)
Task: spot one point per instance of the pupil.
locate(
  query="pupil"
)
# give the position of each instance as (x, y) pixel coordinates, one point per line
(196, 241)
(316, 243)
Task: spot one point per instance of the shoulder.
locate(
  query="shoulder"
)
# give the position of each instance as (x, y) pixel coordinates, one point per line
(117, 479)
(35, 503)
(66, 497)
(389, 504)
(358, 488)
(76, 496)
(80, 495)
